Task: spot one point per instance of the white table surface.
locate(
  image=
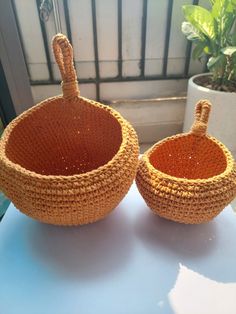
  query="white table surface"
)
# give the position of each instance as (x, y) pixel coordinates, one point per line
(126, 263)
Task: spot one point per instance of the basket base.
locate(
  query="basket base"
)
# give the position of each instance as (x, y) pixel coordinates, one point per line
(186, 220)
(69, 220)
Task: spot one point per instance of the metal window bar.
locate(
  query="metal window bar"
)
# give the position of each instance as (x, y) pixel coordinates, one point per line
(120, 77)
(143, 39)
(119, 19)
(67, 20)
(167, 39)
(7, 111)
(45, 42)
(95, 44)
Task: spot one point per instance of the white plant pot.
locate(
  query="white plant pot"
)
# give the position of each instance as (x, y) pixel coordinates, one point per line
(222, 123)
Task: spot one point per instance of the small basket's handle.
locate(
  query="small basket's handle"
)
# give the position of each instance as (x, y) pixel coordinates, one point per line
(202, 112)
(63, 53)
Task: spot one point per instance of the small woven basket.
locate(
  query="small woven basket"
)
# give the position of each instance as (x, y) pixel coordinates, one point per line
(68, 160)
(189, 177)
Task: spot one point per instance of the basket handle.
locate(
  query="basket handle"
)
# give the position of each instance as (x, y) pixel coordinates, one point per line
(63, 53)
(202, 112)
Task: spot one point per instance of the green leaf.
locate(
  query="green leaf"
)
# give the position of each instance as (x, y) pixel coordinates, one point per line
(191, 32)
(229, 20)
(232, 38)
(215, 61)
(217, 66)
(198, 51)
(228, 51)
(201, 19)
(224, 17)
(232, 5)
(212, 61)
(207, 50)
(219, 8)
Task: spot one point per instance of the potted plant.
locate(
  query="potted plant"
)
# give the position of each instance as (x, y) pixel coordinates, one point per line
(213, 33)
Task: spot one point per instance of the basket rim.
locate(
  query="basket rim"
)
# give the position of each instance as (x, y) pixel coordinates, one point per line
(230, 163)
(124, 124)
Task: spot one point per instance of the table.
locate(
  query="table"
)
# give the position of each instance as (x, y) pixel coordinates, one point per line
(126, 263)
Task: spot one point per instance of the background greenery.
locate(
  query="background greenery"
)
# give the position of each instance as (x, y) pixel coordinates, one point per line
(213, 33)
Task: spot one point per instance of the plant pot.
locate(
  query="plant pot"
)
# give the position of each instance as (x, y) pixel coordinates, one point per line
(222, 124)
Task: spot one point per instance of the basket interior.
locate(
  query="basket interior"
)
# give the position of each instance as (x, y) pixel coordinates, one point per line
(62, 138)
(190, 157)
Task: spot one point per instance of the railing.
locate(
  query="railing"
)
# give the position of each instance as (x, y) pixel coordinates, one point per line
(63, 13)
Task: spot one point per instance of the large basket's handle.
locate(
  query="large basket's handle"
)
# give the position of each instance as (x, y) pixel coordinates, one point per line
(202, 111)
(63, 53)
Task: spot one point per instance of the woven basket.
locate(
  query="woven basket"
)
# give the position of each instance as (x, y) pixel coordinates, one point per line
(68, 160)
(189, 177)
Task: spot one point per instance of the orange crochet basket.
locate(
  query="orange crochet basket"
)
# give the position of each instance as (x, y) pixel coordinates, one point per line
(188, 178)
(68, 160)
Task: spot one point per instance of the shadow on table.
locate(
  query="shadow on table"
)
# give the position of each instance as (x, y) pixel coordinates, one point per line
(181, 240)
(84, 252)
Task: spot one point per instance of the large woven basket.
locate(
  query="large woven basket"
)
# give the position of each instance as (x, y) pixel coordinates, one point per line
(190, 177)
(68, 160)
